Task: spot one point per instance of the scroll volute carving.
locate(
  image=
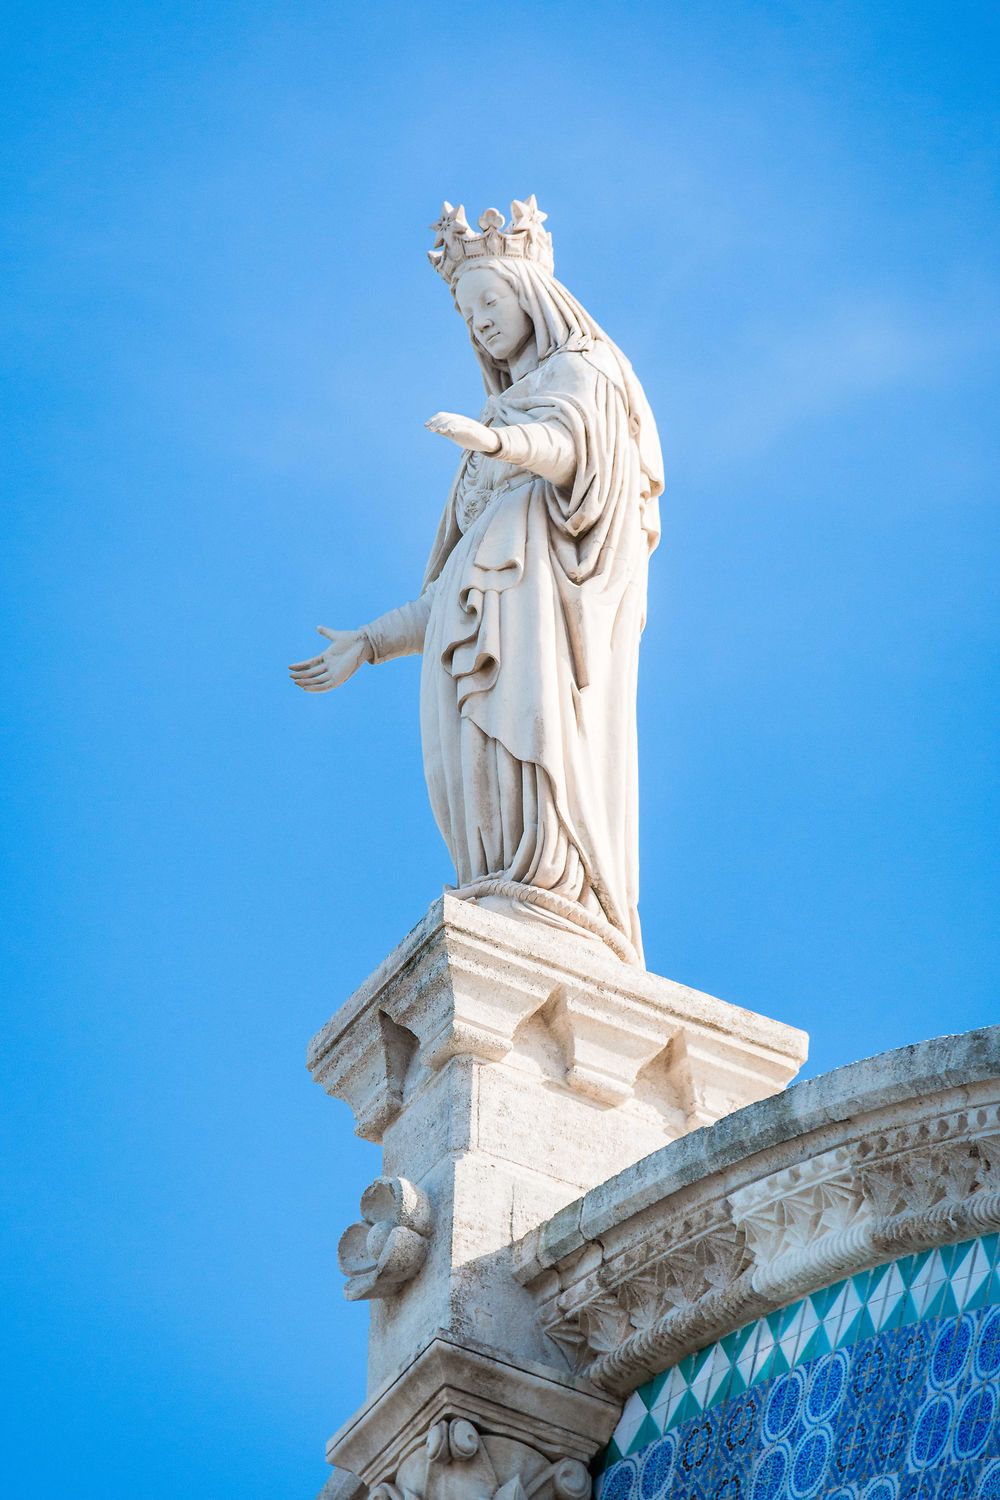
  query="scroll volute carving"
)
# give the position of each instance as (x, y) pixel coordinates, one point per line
(457, 1462)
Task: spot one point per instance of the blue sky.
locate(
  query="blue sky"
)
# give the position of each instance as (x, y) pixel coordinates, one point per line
(221, 340)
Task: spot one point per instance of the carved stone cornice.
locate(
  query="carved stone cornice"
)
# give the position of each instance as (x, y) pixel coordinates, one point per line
(465, 981)
(674, 1272)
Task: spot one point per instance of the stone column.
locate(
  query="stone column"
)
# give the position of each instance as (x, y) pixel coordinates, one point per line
(506, 1068)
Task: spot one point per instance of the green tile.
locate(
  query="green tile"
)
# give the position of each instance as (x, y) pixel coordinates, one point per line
(935, 1305)
(612, 1454)
(824, 1299)
(766, 1370)
(908, 1312)
(722, 1392)
(745, 1336)
(788, 1316)
(979, 1298)
(876, 1278)
(907, 1268)
(686, 1408)
(819, 1343)
(895, 1317)
(648, 1433)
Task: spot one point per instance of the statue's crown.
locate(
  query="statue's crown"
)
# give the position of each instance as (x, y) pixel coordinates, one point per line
(457, 245)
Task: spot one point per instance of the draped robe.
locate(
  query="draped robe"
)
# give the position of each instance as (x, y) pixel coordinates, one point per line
(529, 621)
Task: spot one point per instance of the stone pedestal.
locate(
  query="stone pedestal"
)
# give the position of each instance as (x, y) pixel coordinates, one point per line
(506, 1068)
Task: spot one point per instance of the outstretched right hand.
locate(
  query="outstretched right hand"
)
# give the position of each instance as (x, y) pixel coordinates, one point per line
(341, 659)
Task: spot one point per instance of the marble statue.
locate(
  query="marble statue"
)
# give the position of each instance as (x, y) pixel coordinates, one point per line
(534, 597)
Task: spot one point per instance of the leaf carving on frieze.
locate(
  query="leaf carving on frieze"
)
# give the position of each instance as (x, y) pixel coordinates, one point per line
(701, 1266)
(605, 1323)
(960, 1169)
(640, 1298)
(921, 1180)
(568, 1336)
(988, 1152)
(838, 1204)
(883, 1186)
(924, 1185)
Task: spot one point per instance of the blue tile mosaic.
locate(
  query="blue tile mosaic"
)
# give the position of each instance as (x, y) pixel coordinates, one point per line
(885, 1386)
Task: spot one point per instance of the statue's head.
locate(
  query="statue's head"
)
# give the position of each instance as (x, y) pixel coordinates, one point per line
(488, 298)
(502, 283)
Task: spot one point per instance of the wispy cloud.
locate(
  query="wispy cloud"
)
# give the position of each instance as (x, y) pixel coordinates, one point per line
(774, 381)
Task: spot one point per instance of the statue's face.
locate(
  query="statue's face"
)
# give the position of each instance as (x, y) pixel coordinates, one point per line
(489, 305)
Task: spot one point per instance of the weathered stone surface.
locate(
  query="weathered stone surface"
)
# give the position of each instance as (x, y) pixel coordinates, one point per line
(506, 1068)
(559, 1272)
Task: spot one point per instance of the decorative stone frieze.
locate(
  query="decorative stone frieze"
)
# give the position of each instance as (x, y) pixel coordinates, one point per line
(665, 1259)
(389, 1246)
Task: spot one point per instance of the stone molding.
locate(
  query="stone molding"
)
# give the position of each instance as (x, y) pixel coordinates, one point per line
(465, 981)
(681, 1268)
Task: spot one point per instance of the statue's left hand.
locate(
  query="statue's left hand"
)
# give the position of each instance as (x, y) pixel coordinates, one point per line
(465, 431)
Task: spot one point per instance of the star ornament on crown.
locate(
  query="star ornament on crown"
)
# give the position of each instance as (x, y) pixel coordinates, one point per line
(457, 246)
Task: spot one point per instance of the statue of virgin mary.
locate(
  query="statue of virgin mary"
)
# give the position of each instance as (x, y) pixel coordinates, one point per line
(534, 598)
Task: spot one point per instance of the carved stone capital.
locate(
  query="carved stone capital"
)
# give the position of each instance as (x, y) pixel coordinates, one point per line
(457, 1461)
(461, 1424)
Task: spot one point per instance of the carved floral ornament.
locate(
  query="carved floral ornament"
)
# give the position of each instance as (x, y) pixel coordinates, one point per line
(389, 1246)
(457, 1462)
(694, 1278)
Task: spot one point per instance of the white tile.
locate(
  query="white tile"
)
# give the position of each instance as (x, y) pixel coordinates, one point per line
(630, 1421)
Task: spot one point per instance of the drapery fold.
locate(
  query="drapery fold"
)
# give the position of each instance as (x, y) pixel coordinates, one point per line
(534, 604)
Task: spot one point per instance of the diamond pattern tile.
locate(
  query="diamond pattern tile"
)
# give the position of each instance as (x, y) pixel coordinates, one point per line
(910, 1412)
